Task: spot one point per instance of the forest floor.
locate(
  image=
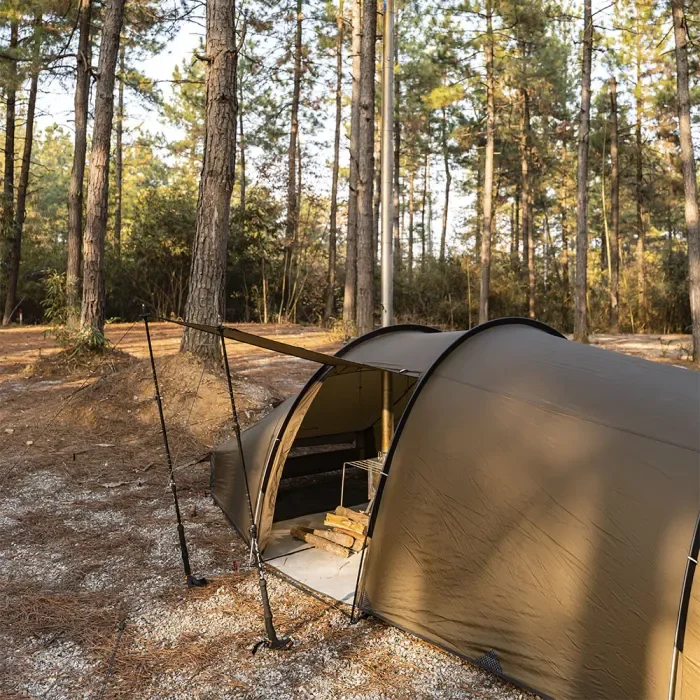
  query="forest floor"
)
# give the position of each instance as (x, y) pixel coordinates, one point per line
(92, 600)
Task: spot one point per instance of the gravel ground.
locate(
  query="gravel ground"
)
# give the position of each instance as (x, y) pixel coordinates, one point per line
(92, 595)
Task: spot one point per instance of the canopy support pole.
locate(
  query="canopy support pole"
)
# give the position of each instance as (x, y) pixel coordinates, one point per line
(272, 641)
(191, 580)
(387, 430)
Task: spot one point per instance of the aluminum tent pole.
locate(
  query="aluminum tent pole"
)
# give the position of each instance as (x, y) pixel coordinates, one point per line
(272, 641)
(387, 165)
(191, 580)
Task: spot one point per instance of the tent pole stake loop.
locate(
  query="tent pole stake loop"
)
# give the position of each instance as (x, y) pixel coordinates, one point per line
(271, 641)
(192, 581)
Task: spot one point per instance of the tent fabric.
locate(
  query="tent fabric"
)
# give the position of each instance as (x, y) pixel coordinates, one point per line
(226, 481)
(539, 504)
(267, 443)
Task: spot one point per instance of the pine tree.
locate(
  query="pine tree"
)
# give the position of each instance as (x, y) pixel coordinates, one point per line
(92, 313)
(206, 299)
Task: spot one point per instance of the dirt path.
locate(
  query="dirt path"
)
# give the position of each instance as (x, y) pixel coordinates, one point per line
(91, 598)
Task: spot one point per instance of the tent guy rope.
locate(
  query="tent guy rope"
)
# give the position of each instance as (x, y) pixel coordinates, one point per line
(191, 580)
(272, 641)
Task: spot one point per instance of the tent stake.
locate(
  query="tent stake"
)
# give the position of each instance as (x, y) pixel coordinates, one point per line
(272, 641)
(191, 580)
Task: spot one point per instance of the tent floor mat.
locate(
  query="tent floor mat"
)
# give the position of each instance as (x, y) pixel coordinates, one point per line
(321, 571)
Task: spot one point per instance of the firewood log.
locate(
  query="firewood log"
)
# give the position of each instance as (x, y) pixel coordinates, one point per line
(301, 533)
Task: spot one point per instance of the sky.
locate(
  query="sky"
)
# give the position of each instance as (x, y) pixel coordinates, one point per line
(55, 104)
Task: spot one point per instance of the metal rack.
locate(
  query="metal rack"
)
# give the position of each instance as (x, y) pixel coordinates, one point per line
(373, 465)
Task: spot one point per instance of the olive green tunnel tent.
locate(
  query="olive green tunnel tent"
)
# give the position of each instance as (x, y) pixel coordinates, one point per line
(538, 509)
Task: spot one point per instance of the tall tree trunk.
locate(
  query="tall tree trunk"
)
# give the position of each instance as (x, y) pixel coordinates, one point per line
(350, 290)
(119, 158)
(424, 206)
(526, 206)
(580, 312)
(8, 193)
(411, 211)
(20, 211)
(487, 195)
(77, 174)
(429, 216)
(365, 272)
(292, 204)
(333, 234)
(692, 223)
(376, 204)
(206, 301)
(638, 186)
(615, 212)
(244, 180)
(92, 312)
(479, 205)
(531, 260)
(448, 183)
(397, 160)
(515, 252)
(566, 282)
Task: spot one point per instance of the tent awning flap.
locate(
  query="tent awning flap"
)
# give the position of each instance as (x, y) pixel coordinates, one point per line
(321, 358)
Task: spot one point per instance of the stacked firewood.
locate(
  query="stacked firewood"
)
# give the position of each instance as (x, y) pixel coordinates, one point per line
(345, 532)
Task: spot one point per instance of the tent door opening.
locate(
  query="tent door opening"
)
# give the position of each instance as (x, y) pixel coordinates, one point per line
(336, 459)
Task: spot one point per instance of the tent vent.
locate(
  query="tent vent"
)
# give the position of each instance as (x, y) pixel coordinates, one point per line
(490, 662)
(364, 602)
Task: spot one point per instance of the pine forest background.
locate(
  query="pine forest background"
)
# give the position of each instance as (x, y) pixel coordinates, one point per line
(287, 219)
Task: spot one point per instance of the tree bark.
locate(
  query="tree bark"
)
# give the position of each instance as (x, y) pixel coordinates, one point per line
(333, 234)
(376, 202)
(292, 204)
(424, 208)
(580, 312)
(615, 212)
(21, 208)
(692, 222)
(526, 205)
(244, 181)
(8, 192)
(487, 196)
(638, 185)
(397, 159)
(92, 313)
(77, 175)
(448, 183)
(351, 245)
(566, 282)
(365, 273)
(411, 212)
(513, 226)
(207, 284)
(119, 159)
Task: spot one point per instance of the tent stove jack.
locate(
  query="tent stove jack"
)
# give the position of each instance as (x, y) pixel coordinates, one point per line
(192, 581)
(271, 641)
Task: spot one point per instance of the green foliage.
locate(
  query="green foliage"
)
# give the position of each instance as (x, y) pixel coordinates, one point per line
(441, 111)
(54, 301)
